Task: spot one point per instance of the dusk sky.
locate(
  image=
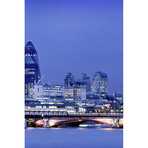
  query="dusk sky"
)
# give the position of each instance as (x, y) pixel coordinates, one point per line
(77, 36)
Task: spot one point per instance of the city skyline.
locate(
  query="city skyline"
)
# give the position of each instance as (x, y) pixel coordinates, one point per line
(73, 73)
(30, 44)
(77, 37)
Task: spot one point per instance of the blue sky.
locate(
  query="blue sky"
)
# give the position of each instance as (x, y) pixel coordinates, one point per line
(77, 36)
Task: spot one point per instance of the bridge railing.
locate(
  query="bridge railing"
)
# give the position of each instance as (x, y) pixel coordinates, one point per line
(95, 114)
(41, 113)
(64, 113)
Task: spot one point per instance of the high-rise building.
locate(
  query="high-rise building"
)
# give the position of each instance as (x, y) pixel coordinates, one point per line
(71, 93)
(100, 84)
(32, 70)
(69, 80)
(83, 83)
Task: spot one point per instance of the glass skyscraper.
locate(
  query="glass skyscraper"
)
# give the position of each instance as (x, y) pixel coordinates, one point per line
(84, 82)
(100, 84)
(32, 70)
(69, 80)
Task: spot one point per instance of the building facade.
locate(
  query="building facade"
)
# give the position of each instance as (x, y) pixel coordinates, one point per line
(71, 93)
(36, 91)
(83, 83)
(69, 80)
(32, 70)
(100, 84)
(53, 90)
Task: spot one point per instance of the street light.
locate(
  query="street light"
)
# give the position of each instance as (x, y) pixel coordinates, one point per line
(43, 120)
(42, 116)
(29, 114)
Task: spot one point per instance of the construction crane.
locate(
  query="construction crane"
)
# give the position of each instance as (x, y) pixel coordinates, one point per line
(40, 79)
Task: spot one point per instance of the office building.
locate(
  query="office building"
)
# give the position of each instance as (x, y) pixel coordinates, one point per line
(118, 97)
(69, 80)
(83, 83)
(53, 90)
(32, 70)
(100, 84)
(36, 92)
(71, 93)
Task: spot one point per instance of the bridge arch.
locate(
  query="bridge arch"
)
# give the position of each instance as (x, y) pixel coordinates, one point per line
(77, 122)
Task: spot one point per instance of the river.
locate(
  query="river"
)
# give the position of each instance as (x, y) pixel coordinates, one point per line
(73, 138)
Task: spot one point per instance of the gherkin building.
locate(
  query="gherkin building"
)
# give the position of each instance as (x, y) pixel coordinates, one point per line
(32, 69)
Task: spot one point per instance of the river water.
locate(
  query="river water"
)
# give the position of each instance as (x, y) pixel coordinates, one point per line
(73, 138)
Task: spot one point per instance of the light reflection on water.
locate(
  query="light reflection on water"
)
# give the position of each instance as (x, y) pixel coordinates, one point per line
(79, 128)
(73, 138)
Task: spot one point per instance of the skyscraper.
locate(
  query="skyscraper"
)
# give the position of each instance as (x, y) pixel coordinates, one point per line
(84, 82)
(100, 84)
(32, 70)
(69, 80)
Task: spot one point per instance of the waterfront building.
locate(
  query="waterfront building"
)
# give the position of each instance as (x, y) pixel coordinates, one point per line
(86, 109)
(56, 105)
(99, 108)
(100, 84)
(69, 80)
(36, 91)
(32, 70)
(71, 93)
(83, 83)
(53, 90)
(119, 97)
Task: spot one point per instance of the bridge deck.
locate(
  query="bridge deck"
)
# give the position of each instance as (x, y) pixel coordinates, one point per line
(66, 114)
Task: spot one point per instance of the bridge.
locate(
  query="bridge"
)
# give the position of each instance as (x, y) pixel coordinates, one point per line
(112, 122)
(68, 114)
(44, 118)
(75, 121)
